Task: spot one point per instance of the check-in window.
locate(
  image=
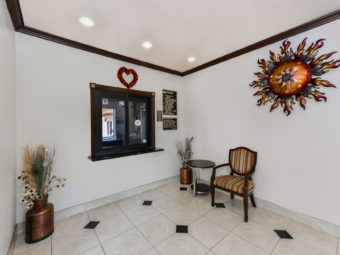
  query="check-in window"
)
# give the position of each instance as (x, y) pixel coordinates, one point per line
(122, 121)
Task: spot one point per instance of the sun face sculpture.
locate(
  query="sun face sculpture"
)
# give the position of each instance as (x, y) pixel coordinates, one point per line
(292, 77)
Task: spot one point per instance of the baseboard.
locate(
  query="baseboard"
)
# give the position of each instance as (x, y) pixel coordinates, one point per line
(68, 212)
(310, 221)
(316, 223)
(313, 222)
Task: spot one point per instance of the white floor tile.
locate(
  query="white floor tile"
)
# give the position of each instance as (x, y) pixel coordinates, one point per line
(70, 225)
(40, 250)
(95, 251)
(207, 232)
(129, 243)
(151, 252)
(179, 244)
(204, 197)
(224, 217)
(293, 247)
(130, 203)
(169, 188)
(158, 229)
(21, 247)
(202, 206)
(104, 212)
(235, 245)
(312, 237)
(258, 234)
(141, 214)
(166, 203)
(182, 215)
(182, 196)
(270, 219)
(112, 227)
(75, 243)
(236, 205)
(152, 195)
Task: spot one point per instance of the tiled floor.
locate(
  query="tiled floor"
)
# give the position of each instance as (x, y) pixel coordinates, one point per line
(129, 227)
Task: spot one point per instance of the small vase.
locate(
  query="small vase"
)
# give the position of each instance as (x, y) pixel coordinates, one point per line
(185, 175)
(39, 221)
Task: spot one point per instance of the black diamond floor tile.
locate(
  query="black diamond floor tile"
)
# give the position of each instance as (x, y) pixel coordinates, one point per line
(147, 202)
(283, 234)
(183, 188)
(219, 205)
(181, 229)
(92, 225)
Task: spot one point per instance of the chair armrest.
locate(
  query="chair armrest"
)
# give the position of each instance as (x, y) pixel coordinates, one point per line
(222, 165)
(214, 171)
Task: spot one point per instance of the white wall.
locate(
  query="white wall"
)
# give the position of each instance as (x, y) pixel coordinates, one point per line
(298, 156)
(7, 127)
(53, 106)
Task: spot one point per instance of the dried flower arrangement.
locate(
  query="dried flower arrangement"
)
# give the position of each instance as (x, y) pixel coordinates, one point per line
(36, 174)
(184, 149)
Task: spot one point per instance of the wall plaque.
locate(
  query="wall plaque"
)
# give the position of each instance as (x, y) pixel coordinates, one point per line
(169, 123)
(159, 116)
(169, 102)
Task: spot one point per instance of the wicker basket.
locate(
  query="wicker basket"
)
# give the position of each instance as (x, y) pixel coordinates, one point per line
(39, 221)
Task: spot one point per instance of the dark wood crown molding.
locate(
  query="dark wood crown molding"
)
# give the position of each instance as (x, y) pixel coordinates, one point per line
(18, 23)
(14, 10)
(74, 44)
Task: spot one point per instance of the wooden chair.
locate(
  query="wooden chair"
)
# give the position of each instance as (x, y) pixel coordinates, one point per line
(242, 162)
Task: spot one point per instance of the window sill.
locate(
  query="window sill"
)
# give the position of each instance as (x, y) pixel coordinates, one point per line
(124, 154)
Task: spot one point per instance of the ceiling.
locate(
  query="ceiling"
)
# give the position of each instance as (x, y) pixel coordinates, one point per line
(177, 28)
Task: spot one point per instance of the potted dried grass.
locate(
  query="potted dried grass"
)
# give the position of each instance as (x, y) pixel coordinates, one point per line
(184, 150)
(38, 183)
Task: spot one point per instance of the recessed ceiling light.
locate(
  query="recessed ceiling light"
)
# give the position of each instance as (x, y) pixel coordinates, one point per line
(147, 44)
(191, 59)
(86, 21)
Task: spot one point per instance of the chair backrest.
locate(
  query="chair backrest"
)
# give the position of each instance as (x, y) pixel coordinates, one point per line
(242, 160)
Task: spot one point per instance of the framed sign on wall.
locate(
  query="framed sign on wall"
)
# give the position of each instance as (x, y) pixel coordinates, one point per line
(169, 102)
(169, 123)
(169, 110)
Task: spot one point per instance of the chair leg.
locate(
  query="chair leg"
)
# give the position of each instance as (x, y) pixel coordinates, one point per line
(212, 191)
(252, 200)
(231, 195)
(245, 204)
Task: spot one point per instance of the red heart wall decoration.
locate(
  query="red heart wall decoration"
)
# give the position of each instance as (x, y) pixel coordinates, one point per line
(124, 70)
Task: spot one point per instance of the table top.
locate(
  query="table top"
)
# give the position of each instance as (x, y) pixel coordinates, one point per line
(200, 163)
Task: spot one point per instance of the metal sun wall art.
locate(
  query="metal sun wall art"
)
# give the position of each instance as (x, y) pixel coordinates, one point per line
(293, 76)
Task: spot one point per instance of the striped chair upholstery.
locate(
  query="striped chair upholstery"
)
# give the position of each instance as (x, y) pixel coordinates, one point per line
(242, 160)
(233, 183)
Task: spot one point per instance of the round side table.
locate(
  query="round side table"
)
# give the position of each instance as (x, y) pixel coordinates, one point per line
(195, 165)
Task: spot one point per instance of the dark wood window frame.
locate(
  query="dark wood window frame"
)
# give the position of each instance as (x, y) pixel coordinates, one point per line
(97, 152)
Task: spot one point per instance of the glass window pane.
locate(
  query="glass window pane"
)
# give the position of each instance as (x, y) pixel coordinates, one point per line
(113, 122)
(138, 126)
